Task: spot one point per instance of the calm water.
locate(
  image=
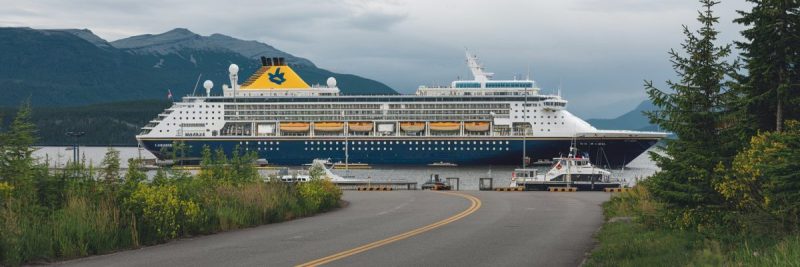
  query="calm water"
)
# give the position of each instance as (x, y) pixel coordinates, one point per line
(468, 175)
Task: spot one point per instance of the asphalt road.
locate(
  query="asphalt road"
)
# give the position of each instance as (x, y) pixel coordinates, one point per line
(506, 229)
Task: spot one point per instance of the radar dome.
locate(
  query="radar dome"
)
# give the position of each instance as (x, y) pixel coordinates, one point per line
(208, 84)
(233, 69)
(331, 82)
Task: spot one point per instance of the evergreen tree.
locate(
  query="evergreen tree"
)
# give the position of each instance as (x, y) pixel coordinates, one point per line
(695, 110)
(111, 165)
(16, 162)
(771, 87)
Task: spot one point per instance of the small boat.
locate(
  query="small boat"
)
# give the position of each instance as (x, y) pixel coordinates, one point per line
(476, 126)
(329, 126)
(442, 164)
(573, 170)
(295, 126)
(340, 165)
(412, 126)
(363, 126)
(305, 176)
(445, 126)
(324, 162)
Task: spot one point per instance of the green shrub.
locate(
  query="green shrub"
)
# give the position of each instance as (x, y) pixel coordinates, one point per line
(161, 211)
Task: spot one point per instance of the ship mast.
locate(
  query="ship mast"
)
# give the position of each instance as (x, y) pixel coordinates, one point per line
(346, 145)
(525, 128)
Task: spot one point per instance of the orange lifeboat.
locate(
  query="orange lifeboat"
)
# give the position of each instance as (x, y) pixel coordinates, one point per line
(412, 126)
(476, 126)
(295, 126)
(329, 126)
(445, 126)
(363, 126)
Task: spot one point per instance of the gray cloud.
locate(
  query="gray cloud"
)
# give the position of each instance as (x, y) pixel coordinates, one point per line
(598, 51)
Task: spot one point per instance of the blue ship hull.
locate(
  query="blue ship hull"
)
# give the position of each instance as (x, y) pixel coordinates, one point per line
(611, 152)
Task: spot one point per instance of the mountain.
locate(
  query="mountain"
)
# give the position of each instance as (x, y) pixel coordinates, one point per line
(76, 67)
(632, 120)
(180, 40)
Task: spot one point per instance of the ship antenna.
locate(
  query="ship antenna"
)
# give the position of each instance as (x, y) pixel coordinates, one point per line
(559, 87)
(529, 73)
(196, 83)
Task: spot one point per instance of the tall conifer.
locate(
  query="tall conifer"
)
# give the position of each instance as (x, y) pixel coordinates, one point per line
(695, 111)
(771, 86)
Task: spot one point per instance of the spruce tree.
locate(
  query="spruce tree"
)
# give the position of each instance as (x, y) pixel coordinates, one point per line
(695, 110)
(771, 87)
(111, 165)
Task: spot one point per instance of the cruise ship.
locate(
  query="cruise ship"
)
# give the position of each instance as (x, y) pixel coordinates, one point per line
(286, 121)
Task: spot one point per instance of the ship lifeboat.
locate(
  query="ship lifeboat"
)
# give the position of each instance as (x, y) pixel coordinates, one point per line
(329, 126)
(412, 126)
(476, 126)
(295, 126)
(363, 126)
(445, 126)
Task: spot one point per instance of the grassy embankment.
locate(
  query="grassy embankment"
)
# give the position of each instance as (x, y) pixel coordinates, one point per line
(640, 241)
(46, 216)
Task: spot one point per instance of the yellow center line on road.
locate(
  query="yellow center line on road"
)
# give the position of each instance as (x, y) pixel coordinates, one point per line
(475, 204)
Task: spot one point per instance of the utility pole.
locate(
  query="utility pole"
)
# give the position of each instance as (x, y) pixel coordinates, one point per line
(76, 151)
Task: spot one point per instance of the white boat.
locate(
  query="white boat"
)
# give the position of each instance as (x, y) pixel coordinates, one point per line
(305, 176)
(573, 170)
(442, 164)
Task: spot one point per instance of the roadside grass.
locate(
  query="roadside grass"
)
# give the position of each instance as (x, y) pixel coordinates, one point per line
(108, 219)
(634, 239)
(631, 244)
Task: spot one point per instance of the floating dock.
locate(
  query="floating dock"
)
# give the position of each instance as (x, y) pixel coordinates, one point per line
(388, 185)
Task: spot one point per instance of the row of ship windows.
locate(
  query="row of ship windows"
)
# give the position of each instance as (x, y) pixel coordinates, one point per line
(410, 148)
(406, 142)
(213, 118)
(386, 142)
(260, 143)
(542, 117)
(199, 106)
(265, 149)
(201, 112)
(548, 123)
(354, 107)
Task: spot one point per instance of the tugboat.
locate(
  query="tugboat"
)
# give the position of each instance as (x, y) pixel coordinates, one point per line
(574, 170)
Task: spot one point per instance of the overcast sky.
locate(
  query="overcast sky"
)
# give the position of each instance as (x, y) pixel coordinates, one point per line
(600, 51)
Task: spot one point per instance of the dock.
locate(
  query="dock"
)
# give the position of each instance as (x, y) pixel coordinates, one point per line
(390, 185)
